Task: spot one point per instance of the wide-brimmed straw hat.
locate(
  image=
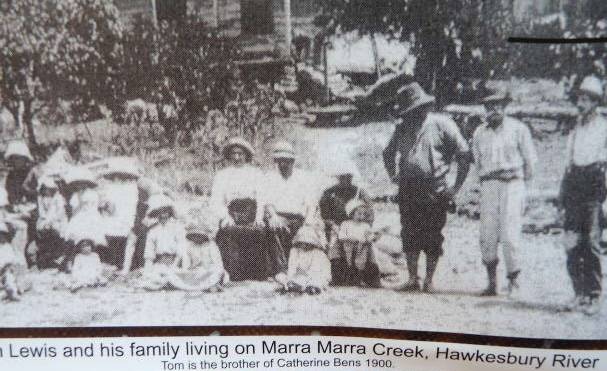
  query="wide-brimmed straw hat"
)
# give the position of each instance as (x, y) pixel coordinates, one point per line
(238, 142)
(498, 97)
(18, 148)
(123, 166)
(283, 150)
(198, 234)
(344, 168)
(80, 175)
(591, 85)
(411, 97)
(159, 203)
(308, 235)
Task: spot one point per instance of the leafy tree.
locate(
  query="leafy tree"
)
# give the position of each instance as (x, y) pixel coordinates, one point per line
(453, 41)
(56, 49)
(184, 68)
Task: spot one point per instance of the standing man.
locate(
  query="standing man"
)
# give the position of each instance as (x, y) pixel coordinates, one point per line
(427, 143)
(505, 158)
(582, 192)
(289, 202)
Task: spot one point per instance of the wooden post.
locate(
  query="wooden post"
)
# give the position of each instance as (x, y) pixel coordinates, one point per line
(288, 27)
(325, 61)
(154, 14)
(376, 59)
(216, 13)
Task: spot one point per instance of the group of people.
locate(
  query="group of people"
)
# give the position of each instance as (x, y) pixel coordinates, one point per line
(504, 155)
(275, 225)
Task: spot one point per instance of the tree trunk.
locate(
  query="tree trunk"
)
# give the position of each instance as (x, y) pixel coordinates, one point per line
(376, 56)
(28, 121)
(167, 124)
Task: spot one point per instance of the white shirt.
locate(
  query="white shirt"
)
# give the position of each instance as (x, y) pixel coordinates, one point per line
(294, 195)
(51, 213)
(166, 238)
(119, 200)
(507, 147)
(234, 183)
(587, 142)
(86, 221)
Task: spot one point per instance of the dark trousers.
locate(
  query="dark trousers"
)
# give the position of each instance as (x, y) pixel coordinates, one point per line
(280, 243)
(243, 252)
(583, 191)
(50, 248)
(583, 260)
(113, 254)
(423, 217)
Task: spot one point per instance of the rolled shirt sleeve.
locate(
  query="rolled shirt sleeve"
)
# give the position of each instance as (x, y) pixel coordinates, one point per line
(528, 152)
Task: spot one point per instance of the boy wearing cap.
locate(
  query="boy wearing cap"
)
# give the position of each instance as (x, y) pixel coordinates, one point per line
(428, 143)
(505, 159)
(582, 193)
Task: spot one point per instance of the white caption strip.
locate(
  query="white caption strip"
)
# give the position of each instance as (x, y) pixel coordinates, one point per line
(280, 353)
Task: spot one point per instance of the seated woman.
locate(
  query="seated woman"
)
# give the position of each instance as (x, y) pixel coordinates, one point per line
(235, 205)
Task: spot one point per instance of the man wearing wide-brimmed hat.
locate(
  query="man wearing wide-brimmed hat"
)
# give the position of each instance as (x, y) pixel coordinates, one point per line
(505, 159)
(582, 193)
(428, 143)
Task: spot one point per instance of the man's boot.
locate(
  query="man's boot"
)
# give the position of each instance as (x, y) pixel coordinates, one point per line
(491, 289)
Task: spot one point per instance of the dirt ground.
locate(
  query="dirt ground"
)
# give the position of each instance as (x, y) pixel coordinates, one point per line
(535, 312)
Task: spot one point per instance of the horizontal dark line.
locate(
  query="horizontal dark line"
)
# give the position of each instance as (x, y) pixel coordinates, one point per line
(544, 40)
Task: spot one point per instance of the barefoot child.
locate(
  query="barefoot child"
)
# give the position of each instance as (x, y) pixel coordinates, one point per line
(12, 269)
(309, 269)
(353, 260)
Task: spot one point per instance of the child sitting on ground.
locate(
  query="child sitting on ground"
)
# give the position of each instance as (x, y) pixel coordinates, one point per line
(87, 270)
(166, 245)
(309, 269)
(206, 271)
(352, 255)
(12, 269)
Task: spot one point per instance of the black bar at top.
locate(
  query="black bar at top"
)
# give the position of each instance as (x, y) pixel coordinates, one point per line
(542, 40)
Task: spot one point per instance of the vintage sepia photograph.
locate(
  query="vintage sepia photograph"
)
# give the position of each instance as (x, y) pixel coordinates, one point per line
(423, 165)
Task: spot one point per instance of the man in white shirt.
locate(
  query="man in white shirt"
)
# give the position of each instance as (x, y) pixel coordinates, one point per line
(289, 202)
(582, 193)
(505, 158)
